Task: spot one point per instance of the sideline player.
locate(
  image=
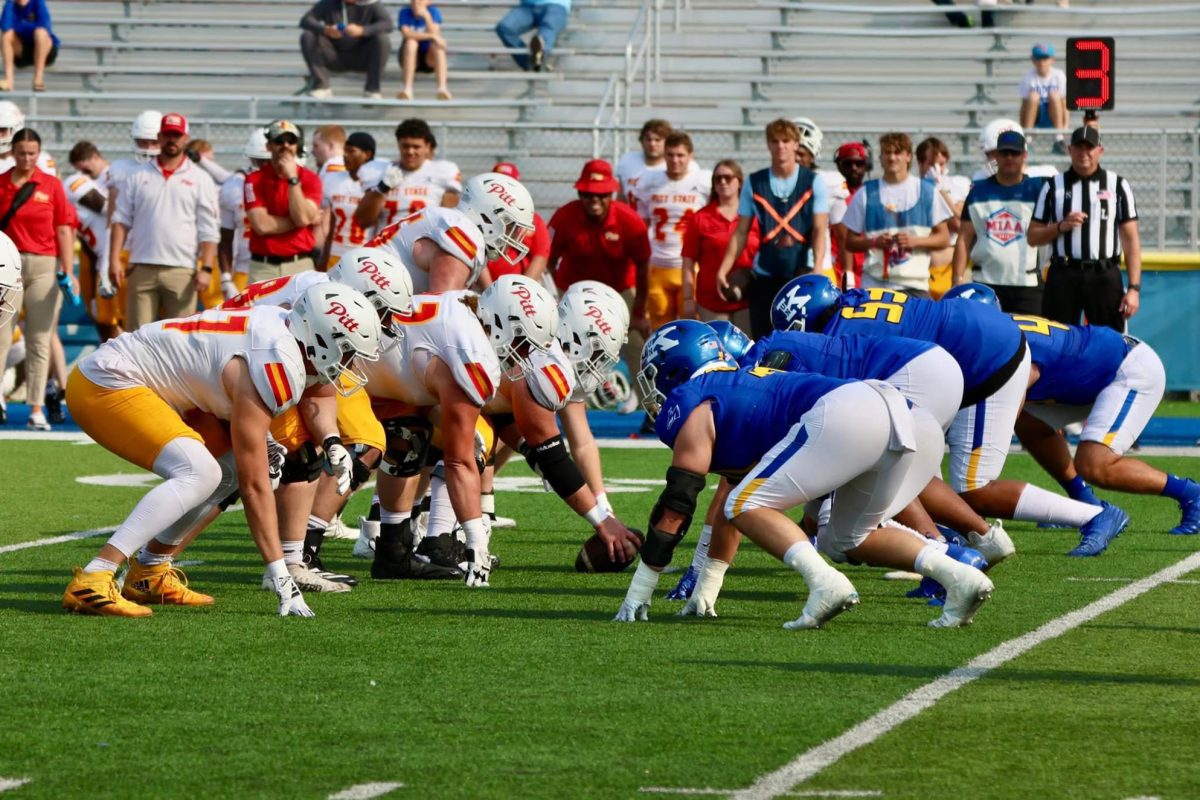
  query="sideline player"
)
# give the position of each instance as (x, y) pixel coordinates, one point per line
(95, 283)
(245, 367)
(12, 119)
(233, 251)
(417, 181)
(342, 192)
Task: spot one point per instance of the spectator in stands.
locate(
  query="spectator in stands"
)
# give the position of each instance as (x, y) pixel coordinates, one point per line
(534, 264)
(898, 220)
(791, 206)
(933, 160)
(549, 17)
(962, 20)
(328, 143)
(36, 215)
(167, 210)
(27, 40)
(1044, 95)
(853, 160)
(652, 157)
(423, 49)
(346, 36)
(283, 203)
(705, 239)
(593, 238)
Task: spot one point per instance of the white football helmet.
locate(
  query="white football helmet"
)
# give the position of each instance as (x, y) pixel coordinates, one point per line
(12, 119)
(518, 316)
(810, 135)
(145, 128)
(256, 146)
(611, 393)
(591, 331)
(596, 288)
(380, 277)
(989, 139)
(10, 278)
(336, 325)
(503, 210)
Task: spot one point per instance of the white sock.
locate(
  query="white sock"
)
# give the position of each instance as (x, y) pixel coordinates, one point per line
(701, 555)
(293, 552)
(932, 562)
(477, 535)
(1038, 505)
(441, 512)
(487, 503)
(148, 559)
(803, 558)
(393, 517)
(316, 523)
(98, 564)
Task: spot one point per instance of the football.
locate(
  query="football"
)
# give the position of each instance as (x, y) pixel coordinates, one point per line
(593, 556)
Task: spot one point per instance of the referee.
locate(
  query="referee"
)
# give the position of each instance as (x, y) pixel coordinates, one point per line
(1088, 217)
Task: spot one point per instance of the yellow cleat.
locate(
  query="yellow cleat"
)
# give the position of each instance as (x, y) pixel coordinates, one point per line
(162, 585)
(97, 593)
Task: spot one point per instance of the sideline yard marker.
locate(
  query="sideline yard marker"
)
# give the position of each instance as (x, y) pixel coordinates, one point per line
(365, 791)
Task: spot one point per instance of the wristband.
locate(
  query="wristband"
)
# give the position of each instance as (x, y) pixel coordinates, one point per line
(330, 441)
(294, 181)
(207, 270)
(596, 515)
(1134, 287)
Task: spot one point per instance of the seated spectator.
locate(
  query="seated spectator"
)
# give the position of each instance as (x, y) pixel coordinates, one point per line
(538, 242)
(705, 238)
(28, 40)
(349, 36)
(548, 16)
(1044, 95)
(424, 49)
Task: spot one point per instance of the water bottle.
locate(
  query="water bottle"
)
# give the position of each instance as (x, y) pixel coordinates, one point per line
(68, 290)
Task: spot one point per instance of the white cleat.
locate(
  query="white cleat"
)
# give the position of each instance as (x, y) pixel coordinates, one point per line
(503, 522)
(834, 595)
(339, 530)
(963, 598)
(368, 532)
(307, 580)
(995, 545)
(419, 526)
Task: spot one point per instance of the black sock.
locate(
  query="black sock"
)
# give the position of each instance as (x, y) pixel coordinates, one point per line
(373, 514)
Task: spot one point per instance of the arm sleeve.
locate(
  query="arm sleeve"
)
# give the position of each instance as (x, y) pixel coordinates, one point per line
(215, 171)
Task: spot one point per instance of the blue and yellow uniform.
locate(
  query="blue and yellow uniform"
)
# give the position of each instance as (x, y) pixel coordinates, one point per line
(852, 357)
(1076, 362)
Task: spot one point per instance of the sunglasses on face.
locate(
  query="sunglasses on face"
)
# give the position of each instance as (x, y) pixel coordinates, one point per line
(724, 178)
(286, 138)
(853, 162)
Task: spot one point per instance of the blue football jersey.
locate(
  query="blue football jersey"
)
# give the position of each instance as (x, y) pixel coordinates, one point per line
(1076, 362)
(752, 410)
(981, 338)
(856, 357)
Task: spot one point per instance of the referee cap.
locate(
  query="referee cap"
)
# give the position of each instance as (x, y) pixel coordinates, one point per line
(1088, 135)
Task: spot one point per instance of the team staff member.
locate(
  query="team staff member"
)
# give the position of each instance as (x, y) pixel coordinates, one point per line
(995, 219)
(1088, 215)
(283, 202)
(41, 227)
(164, 208)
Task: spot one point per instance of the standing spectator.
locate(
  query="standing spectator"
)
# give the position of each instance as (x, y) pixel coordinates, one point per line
(35, 213)
(165, 208)
(792, 209)
(593, 238)
(342, 191)
(327, 144)
(346, 36)
(533, 265)
(705, 239)
(423, 49)
(1089, 215)
(283, 202)
(1044, 95)
(853, 161)
(633, 165)
(665, 201)
(417, 180)
(27, 39)
(933, 160)
(898, 220)
(995, 224)
(548, 16)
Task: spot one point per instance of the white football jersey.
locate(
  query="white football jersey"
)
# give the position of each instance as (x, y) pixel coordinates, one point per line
(282, 292)
(118, 171)
(423, 187)
(93, 226)
(839, 195)
(631, 168)
(448, 228)
(231, 198)
(666, 205)
(340, 194)
(551, 382)
(334, 165)
(181, 360)
(442, 326)
(45, 163)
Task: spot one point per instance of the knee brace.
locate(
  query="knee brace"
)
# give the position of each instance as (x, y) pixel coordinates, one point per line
(553, 463)
(303, 465)
(408, 441)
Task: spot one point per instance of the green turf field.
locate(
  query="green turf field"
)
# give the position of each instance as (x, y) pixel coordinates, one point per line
(527, 690)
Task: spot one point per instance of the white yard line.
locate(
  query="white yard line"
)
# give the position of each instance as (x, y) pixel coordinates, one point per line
(7, 784)
(727, 792)
(808, 764)
(1183, 582)
(66, 537)
(365, 791)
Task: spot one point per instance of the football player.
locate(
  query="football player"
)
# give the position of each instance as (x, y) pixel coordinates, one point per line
(784, 439)
(246, 367)
(12, 119)
(343, 191)
(417, 181)
(95, 283)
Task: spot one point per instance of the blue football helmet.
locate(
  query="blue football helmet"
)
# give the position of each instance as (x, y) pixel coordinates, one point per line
(672, 355)
(974, 291)
(733, 339)
(803, 304)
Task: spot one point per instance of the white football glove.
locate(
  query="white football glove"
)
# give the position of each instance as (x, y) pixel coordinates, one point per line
(393, 176)
(338, 463)
(628, 612)
(228, 288)
(636, 605)
(703, 602)
(276, 453)
(479, 569)
(291, 601)
(106, 289)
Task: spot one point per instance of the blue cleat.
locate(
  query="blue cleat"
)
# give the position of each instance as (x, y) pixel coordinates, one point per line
(1190, 506)
(968, 556)
(1054, 526)
(1100, 530)
(952, 536)
(928, 587)
(687, 584)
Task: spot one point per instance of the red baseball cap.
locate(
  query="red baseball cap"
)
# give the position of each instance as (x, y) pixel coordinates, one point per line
(597, 178)
(851, 150)
(173, 123)
(509, 169)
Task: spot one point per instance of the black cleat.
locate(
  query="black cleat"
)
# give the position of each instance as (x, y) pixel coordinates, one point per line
(395, 561)
(54, 405)
(445, 550)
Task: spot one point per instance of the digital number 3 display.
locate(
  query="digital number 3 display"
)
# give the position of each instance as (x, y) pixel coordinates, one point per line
(1091, 73)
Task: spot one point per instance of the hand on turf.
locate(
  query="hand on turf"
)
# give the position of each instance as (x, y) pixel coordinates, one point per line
(291, 601)
(339, 465)
(633, 612)
(479, 569)
(698, 606)
(621, 543)
(276, 453)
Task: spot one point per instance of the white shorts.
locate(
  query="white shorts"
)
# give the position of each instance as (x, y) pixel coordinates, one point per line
(932, 381)
(860, 439)
(981, 435)
(1122, 409)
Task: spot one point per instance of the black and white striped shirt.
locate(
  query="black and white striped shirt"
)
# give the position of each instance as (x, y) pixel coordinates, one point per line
(1106, 199)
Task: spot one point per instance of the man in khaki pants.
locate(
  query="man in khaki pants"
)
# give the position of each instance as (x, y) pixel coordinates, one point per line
(165, 207)
(283, 201)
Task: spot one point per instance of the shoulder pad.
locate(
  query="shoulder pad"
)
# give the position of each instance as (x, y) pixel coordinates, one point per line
(551, 382)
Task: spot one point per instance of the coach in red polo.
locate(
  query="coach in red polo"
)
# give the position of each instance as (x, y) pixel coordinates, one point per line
(283, 202)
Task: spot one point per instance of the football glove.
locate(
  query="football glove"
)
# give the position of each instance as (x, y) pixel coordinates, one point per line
(228, 288)
(636, 605)
(633, 612)
(393, 176)
(291, 601)
(276, 453)
(338, 463)
(479, 569)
